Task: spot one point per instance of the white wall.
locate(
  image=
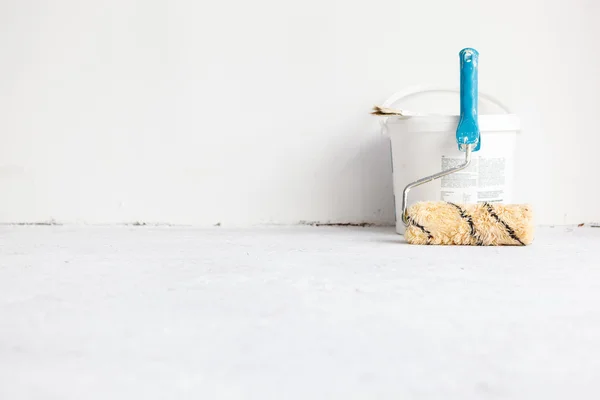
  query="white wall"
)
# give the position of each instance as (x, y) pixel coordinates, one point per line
(246, 112)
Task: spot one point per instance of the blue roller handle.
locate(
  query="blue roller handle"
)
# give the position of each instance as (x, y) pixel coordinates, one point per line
(467, 131)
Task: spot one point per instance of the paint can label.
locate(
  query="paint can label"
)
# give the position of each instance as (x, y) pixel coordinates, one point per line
(484, 180)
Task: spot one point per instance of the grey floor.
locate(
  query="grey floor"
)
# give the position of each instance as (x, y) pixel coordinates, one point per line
(295, 313)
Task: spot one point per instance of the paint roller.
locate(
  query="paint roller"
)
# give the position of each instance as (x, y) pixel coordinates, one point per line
(479, 224)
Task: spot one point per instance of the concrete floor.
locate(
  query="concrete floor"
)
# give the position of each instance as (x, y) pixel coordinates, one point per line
(294, 313)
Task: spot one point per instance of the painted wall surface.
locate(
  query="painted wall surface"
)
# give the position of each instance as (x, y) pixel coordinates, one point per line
(239, 112)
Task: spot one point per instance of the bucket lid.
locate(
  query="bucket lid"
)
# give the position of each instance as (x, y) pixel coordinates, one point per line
(445, 123)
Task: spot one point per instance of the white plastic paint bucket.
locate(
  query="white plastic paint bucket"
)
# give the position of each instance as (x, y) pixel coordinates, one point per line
(424, 145)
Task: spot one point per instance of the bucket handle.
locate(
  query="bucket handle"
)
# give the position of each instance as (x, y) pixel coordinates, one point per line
(409, 91)
(425, 89)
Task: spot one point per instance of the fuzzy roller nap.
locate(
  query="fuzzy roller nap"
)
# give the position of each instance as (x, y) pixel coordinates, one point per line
(443, 223)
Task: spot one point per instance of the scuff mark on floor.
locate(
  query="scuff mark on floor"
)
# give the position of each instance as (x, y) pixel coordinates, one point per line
(352, 224)
(41, 223)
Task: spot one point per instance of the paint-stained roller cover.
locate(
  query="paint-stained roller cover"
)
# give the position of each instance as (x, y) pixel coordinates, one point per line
(486, 224)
